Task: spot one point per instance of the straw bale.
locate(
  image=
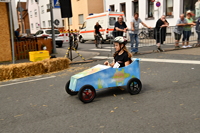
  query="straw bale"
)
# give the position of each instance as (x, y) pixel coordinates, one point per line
(28, 69)
(6, 72)
(56, 64)
(21, 70)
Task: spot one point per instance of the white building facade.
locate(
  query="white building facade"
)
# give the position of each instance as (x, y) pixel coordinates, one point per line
(34, 16)
(148, 11)
(39, 15)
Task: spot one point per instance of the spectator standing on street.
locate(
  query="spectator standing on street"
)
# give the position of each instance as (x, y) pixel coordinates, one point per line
(198, 31)
(160, 32)
(134, 32)
(120, 27)
(178, 30)
(187, 29)
(17, 34)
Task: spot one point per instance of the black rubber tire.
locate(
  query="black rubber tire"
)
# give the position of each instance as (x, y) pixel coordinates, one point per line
(70, 92)
(81, 40)
(137, 87)
(141, 36)
(90, 95)
(75, 45)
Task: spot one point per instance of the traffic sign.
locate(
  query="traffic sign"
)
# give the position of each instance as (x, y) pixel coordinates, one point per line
(56, 4)
(158, 4)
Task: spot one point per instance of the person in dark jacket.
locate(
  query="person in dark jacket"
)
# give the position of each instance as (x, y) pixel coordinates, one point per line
(198, 31)
(17, 34)
(160, 32)
(120, 27)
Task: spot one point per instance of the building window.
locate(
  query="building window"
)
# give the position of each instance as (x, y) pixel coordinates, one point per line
(48, 7)
(44, 24)
(36, 25)
(42, 9)
(135, 7)
(70, 21)
(123, 8)
(81, 19)
(32, 26)
(31, 14)
(35, 11)
(169, 7)
(150, 9)
(63, 22)
(49, 23)
(112, 8)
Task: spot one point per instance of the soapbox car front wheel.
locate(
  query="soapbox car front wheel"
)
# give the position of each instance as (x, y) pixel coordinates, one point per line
(69, 91)
(134, 86)
(87, 93)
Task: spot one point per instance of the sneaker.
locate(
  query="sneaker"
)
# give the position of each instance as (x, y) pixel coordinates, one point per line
(188, 46)
(177, 47)
(184, 46)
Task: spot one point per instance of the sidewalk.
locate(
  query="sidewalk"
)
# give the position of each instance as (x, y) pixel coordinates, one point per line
(61, 53)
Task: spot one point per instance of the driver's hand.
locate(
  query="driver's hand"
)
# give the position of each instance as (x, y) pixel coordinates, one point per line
(124, 30)
(106, 63)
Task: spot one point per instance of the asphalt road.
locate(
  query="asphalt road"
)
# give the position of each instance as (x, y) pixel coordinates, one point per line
(168, 103)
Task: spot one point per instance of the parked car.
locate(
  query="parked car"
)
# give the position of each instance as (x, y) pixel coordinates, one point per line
(48, 33)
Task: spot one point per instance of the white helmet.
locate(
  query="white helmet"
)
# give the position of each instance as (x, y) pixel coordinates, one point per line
(120, 40)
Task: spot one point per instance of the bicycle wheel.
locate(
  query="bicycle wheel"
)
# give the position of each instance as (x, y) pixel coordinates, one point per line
(97, 41)
(141, 35)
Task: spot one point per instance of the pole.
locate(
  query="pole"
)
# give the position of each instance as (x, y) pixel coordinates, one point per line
(70, 41)
(21, 16)
(52, 27)
(11, 32)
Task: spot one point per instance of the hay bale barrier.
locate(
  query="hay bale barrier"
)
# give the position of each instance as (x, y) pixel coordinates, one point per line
(21, 70)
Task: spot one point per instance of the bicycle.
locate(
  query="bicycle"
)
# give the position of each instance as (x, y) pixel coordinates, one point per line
(98, 40)
(74, 41)
(146, 34)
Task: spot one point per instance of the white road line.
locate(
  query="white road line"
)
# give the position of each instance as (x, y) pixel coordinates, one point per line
(101, 49)
(27, 81)
(102, 57)
(157, 60)
(171, 61)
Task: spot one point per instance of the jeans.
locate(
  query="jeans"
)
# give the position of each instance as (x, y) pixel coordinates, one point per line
(134, 39)
(198, 33)
(186, 35)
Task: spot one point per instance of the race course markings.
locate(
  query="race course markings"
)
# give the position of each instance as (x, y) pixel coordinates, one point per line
(101, 49)
(27, 81)
(171, 61)
(157, 60)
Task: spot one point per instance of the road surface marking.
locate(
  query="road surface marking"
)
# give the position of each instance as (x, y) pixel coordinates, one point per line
(171, 61)
(27, 81)
(157, 60)
(101, 49)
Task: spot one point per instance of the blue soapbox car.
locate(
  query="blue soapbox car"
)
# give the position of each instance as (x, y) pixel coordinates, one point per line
(86, 83)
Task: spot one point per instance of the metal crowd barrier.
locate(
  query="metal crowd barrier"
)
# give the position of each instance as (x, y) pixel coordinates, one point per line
(147, 37)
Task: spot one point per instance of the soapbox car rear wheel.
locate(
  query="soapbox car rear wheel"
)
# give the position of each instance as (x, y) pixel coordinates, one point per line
(87, 93)
(69, 91)
(134, 86)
